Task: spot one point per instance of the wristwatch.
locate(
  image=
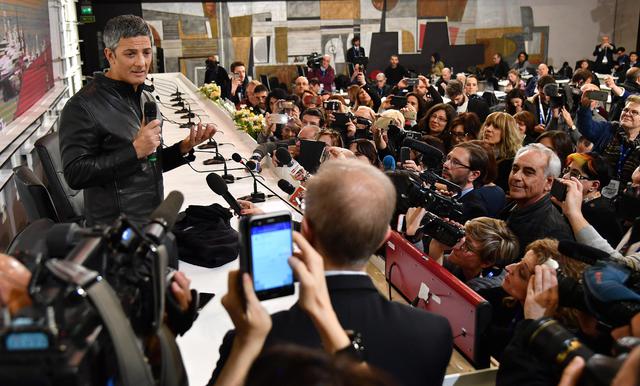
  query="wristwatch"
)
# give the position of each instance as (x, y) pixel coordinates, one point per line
(355, 350)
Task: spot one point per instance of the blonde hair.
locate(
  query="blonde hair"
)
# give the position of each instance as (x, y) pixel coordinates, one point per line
(395, 115)
(497, 245)
(510, 138)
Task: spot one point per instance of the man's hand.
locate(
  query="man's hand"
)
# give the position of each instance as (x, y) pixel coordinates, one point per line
(251, 320)
(249, 208)
(351, 129)
(542, 293)
(566, 116)
(197, 136)
(180, 288)
(584, 101)
(148, 139)
(539, 128)
(411, 165)
(573, 371)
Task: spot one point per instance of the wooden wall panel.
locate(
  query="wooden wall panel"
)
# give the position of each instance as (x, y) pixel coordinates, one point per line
(282, 45)
(340, 9)
(453, 9)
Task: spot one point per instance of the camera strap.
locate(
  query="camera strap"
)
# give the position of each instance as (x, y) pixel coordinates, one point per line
(132, 367)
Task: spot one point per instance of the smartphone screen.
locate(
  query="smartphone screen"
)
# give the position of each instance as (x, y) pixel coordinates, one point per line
(270, 244)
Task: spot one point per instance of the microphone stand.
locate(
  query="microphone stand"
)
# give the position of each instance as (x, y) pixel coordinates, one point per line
(255, 196)
(189, 123)
(279, 198)
(217, 158)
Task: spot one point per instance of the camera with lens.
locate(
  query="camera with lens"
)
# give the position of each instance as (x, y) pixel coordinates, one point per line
(331, 105)
(443, 231)
(549, 341)
(397, 135)
(93, 300)
(557, 95)
(314, 60)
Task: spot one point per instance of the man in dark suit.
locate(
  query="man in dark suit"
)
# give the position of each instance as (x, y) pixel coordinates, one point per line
(604, 56)
(464, 104)
(466, 166)
(355, 51)
(412, 345)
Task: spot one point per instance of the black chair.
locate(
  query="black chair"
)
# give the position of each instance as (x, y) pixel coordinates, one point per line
(68, 202)
(34, 195)
(31, 238)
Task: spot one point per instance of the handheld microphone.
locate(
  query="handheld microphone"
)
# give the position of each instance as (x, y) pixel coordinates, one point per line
(389, 163)
(164, 217)
(296, 195)
(255, 196)
(295, 169)
(151, 113)
(432, 155)
(217, 184)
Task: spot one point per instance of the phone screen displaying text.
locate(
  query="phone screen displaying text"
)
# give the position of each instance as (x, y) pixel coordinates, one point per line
(271, 247)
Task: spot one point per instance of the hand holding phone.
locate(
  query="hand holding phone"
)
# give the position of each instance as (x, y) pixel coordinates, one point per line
(265, 247)
(559, 190)
(252, 322)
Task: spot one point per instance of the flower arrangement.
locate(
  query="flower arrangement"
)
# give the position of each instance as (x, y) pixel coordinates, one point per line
(211, 91)
(249, 122)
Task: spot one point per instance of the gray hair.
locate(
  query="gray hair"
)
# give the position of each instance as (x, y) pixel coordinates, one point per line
(124, 26)
(553, 167)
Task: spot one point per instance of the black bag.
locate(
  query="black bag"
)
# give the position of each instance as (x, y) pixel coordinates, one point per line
(205, 237)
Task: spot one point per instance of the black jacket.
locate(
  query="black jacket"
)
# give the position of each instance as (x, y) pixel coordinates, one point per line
(351, 54)
(97, 128)
(412, 345)
(475, 105)
(536, 221)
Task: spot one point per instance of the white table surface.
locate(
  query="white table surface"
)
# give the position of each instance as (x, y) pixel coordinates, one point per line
(199, 346)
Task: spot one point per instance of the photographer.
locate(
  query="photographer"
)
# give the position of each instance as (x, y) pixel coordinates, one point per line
(479, 258)
(215, 72)
(540, 107)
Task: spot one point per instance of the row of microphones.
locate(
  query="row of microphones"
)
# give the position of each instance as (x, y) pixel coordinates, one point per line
(219, 186)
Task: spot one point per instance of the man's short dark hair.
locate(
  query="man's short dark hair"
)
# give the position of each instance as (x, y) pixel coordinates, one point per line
(581, 75)
(545, 80)
(260, 88)
(236, 64)
(478, 161)
(124, 26)
(355, 39)
(454, 88)
(314, 113)
(314, 82)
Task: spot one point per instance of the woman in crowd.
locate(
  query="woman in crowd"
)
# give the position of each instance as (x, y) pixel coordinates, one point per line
(526, 124)
(436, 64)
(515, 83)
(501, 132)
(352, 93)
(594, 173)
(480, 257)
(419, 104)
(514, 101)
(366, 151)
(559, 142)
(464, 127)
(330, 137)
(491, 194)
(437, 122)
(367, 98)
(522, 62)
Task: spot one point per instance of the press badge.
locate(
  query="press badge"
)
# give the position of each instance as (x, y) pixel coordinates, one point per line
(611, 190)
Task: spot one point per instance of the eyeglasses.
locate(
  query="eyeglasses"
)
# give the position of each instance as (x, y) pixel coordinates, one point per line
(466, 247)
(458, 134)
(574, 173)
(455, 163)
(633, 113)
(439, 119)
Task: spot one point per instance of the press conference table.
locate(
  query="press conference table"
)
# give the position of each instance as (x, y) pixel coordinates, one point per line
(199, 346)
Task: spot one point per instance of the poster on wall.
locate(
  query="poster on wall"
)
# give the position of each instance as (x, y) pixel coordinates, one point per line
(26, 71)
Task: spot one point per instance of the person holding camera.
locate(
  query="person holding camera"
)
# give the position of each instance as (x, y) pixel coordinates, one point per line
(237, 86)
(541, 108)
(345, 247)
(618, 142)
(619, 94)
(604, 56)
(215, 73)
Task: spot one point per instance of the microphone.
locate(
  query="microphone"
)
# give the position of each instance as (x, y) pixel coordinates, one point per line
(217, 184)
(389, 163)
(296, 195)
(255, 196)
(295, 169)
(590, 255)
(164, 217)
(151, 113)
(432, 155)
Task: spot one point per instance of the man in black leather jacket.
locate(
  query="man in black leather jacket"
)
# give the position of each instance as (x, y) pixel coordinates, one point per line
(107, 148)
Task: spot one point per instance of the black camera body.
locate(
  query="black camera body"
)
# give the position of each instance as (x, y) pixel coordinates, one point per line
(397, 135)
(314, 60)
(444, 232)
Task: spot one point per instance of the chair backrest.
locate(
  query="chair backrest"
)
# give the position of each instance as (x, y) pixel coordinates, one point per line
(34, 195)
(69, 203)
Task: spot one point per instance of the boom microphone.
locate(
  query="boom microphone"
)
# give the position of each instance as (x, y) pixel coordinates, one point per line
(217, 184)
(389, 163)
(581, 252)
(295, 169)
(164, 217)
(286, 186)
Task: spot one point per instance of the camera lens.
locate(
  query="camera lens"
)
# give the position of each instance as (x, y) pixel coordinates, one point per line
(551, 342)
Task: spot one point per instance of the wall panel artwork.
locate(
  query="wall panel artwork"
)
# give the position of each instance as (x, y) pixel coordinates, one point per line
(26, 71)
(339, 9)
(303, 10)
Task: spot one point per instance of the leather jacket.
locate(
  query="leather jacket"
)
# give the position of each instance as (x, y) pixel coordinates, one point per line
(97, 128)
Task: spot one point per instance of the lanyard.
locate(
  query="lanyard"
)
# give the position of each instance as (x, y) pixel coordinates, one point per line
(541, 113)
(624, 154)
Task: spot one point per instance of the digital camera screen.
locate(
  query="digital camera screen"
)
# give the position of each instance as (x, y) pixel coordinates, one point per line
(271, 247)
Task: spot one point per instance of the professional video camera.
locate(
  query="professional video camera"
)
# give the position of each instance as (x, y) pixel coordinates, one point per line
(314, 60)
(411, 193)
(552, 343)
(557, 95)
(89, 308)
(397, 136)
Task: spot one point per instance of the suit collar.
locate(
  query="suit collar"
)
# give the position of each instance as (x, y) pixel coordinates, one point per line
(350, 282)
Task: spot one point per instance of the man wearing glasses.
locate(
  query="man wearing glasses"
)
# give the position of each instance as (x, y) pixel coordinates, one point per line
(618, 142)
(382, 88)
(466, 166)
